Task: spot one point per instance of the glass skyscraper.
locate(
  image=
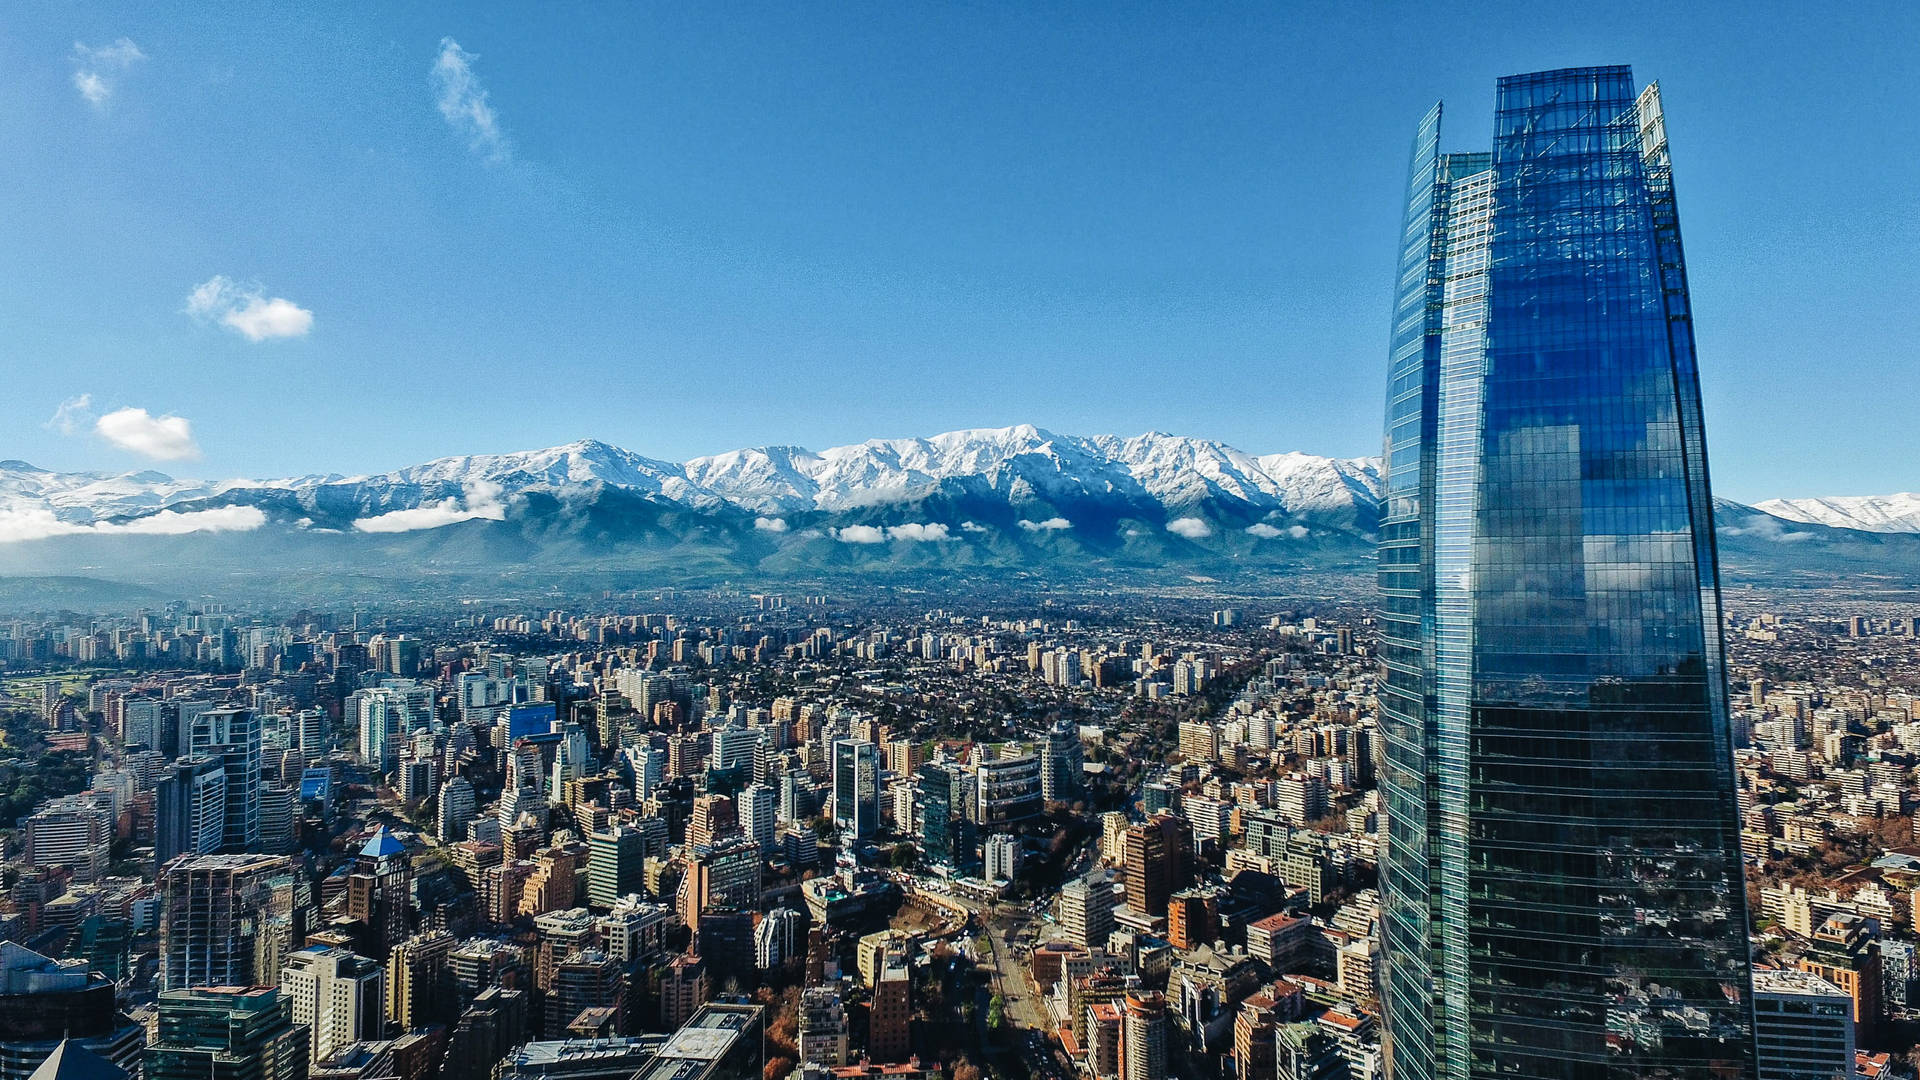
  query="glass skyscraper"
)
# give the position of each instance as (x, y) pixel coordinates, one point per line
(1562, 873)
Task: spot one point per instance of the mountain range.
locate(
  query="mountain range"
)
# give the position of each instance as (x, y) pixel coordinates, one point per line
(1018, 498)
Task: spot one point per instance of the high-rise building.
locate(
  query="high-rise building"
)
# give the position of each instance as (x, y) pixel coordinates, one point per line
(890, 1015)
(856, 787)
(1086, 911)
(1802, 1026)
(227, 1033)
(214, 908)
(823, 1030)
(1002, 857)
(757, 817)
(339, 995)
(233, 736)
(1154, 862)
(616, 865)
(420, 981)
(75, 832)
(1562, 867)
(1062, 762)
(380, 891)
(946, 834)
(1143, 1049)
(190, 809)
(714, 817)
(725, 875)
(778, 938)
(589, 979)
(45, 1001)
(456, 810)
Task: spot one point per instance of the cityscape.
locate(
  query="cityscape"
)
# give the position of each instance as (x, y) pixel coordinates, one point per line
(1516, 749)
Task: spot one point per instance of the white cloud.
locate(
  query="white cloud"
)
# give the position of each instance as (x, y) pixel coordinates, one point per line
(809, 534)
(39, 523)
(859, 534)
(1268, 532)
(1766, 528)
(482, 502)
(1052, 524)
(72, 415)
(916, 531)
(772, 525)
(972, 527)
(165, 438)
(247, 309)
(1190, 527)
(463, 102)
(96, 70)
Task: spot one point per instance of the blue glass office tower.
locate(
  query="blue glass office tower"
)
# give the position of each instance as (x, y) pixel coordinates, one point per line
(1562, 875)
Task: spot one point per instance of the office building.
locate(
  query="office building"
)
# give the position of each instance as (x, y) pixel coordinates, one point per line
(946, 834)
(232, 735)
(338, 995)
(1561, 875)
(190, 809)
(1802, 1026)
(45, 1001)
(227, 1033)
(856, 788)
(1006, 788)
(616, 865)
(1062, 762)
(380, 892)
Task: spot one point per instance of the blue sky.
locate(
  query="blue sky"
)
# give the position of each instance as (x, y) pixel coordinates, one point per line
(688, 228)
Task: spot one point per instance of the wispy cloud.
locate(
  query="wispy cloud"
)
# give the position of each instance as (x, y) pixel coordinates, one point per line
(73, 415)
(247, 310)
(482, 502)
(463, 102)
(164, 438)
(1052, 524)
(1190, 527)
(96, 71)
(972, 527)
(39, 523)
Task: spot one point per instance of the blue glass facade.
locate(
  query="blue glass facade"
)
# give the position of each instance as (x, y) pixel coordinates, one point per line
(1562, 873)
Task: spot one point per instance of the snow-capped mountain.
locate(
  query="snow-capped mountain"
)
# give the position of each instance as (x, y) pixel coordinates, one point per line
(1898, 513)
(1018, 499)
(1016, 465)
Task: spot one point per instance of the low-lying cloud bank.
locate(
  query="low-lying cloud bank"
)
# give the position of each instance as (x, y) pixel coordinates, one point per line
(39, 523)
(482, 502)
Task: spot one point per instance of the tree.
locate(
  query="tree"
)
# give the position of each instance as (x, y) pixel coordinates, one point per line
(777, 1068)
(965, 1070)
